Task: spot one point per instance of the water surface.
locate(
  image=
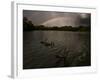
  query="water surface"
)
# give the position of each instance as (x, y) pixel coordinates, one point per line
(47, 49)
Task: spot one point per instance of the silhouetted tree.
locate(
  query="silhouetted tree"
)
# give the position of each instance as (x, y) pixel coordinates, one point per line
(27, 25)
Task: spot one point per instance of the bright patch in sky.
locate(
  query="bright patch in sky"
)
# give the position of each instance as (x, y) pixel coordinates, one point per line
(83, 15)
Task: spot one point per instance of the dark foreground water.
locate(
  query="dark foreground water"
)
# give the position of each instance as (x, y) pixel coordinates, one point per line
(50, 49)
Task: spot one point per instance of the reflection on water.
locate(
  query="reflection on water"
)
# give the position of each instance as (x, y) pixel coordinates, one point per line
(47, 49)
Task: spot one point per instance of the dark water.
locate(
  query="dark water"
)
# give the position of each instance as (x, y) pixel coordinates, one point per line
(49, 49)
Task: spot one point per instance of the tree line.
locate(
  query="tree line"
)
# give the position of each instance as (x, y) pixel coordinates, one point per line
(29, 26)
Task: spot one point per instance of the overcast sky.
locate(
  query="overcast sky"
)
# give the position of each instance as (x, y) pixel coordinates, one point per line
(51, 18)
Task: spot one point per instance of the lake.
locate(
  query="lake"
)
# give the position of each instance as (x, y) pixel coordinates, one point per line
(51, 49)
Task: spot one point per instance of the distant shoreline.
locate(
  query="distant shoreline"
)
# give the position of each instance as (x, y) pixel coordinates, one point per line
(29, 26)
(54, 30)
